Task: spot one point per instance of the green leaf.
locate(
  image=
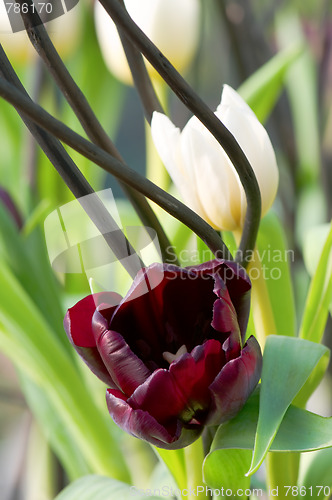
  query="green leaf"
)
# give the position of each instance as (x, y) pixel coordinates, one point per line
(102, 488)
(275, 260)
(319, 296)
(287, 364)
(314, 241)
(299, 431)
(317, 478)
(27, 259)
(301, 84)
(226, 469)
(50, 422)
(261, 90)
(28, 340)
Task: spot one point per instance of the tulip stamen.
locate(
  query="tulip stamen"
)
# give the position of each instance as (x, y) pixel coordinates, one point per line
(169, 357)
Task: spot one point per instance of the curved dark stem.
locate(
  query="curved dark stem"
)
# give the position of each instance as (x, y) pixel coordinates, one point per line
(116, 168)
(140, 76)
(72, 176)
(32, 148)
(205, 115)
(94, 130)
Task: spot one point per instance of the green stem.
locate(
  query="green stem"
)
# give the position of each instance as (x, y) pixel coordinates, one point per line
(261, 305)
(174, 461)
(262, 312)
(282, 470)
(194, 457)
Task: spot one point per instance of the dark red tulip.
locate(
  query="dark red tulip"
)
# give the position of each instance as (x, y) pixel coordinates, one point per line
(173, 351)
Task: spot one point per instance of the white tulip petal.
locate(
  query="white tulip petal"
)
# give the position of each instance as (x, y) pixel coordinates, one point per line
(233, 100)
(213, 176)
(256, 145)
(167, 140)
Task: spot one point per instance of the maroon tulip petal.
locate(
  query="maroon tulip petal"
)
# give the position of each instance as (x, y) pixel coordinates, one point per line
(235, 279)
(124, 367)
(238, 285)
(234, 384)
(141, 424)
(78, 326)
(79, 317)
(160, 397)
(193, 373)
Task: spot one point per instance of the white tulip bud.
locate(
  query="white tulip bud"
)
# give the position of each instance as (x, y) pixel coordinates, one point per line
(63, 32)
(172, 25)
(203, 173)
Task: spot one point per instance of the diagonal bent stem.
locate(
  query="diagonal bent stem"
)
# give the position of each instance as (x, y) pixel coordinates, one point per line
(140, 76)
(74, 179)
(204, 114)
(43, 45)
(116, 168)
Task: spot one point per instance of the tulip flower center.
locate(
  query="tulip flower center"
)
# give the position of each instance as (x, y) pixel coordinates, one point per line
(169, 357)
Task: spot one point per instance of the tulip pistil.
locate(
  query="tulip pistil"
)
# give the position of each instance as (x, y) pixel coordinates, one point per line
(169, 357)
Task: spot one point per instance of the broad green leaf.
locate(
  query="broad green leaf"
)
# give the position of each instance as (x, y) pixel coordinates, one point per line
(103, 488)
(287, 363)
(27, 259)
(26, 338)
(50, 422)
(317, 478)
(261, 90)
(299, 431)
(319, 296)
(227, 469)
(312, 381)
(275, 259)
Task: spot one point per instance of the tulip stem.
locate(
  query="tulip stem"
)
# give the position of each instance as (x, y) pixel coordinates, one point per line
(282, 470)
(174, 461)
(94, 153)
(261, 304)
(203, 113)
(43, 45)
(194, 457)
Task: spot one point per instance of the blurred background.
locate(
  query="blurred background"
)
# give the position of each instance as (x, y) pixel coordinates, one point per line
(236, 38)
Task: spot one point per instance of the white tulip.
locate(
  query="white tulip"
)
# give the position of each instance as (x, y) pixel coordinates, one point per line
(63, 32)
(203, 173)
(172, 25)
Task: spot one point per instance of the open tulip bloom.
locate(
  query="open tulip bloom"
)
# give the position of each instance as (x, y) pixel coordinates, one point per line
(174, 357)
